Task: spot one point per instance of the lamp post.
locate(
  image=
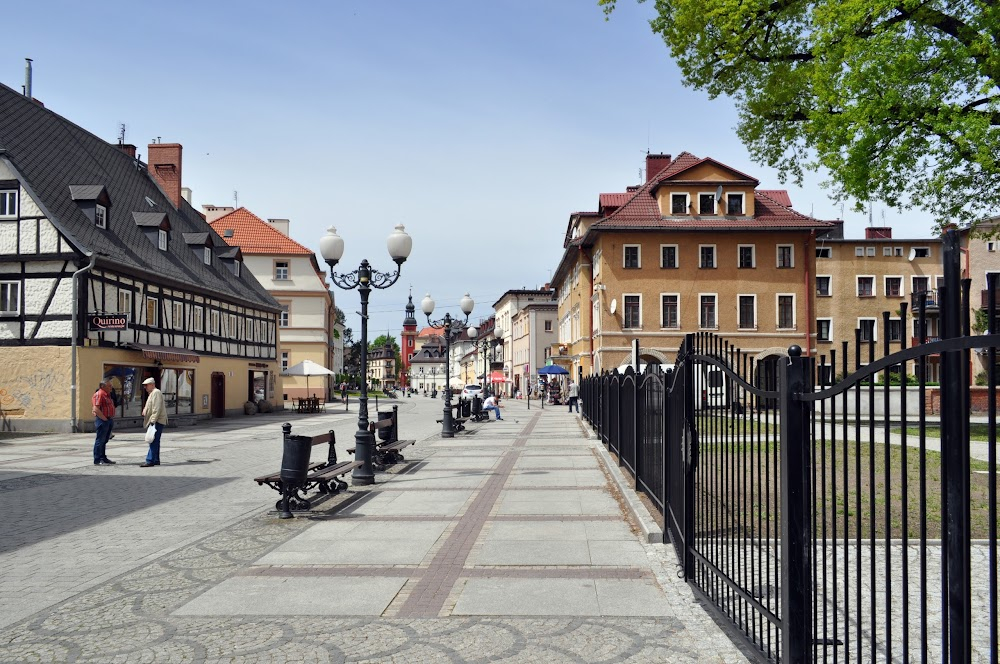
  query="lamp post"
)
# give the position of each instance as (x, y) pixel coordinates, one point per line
(488, 341)
(452, 328)
(365, 278)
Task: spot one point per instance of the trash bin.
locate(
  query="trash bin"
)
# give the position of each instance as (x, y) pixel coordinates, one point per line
(477, 405)
(295, 460)
(466, 408)
(384, 434)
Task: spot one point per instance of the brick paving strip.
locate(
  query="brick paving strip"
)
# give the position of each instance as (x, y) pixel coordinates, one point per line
(431, 592)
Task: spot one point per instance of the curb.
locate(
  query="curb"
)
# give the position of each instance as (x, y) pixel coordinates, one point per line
(652, 533)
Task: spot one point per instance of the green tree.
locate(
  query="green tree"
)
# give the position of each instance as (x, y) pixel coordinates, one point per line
(898, 100)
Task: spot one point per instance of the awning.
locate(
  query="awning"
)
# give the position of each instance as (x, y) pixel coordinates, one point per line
(166, 353)
(498, 377)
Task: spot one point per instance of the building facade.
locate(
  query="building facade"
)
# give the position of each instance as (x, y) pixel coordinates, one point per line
(108, 273)
(291, 274)
(505, 310)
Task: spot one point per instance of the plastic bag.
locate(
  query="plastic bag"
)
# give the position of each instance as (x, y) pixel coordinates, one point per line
(150, 433)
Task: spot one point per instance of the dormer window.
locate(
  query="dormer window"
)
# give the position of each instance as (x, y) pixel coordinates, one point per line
(161, 241)
(8, 203)
(678, 203)
(208, 256)
(236, 268)
(101, 216)
(734, 204)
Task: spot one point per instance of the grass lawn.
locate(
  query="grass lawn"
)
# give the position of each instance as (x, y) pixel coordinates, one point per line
(978, 431)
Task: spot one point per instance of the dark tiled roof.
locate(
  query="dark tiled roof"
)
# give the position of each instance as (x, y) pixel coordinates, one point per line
(50, 154)
(154, 219)
(196, 238)
(86, 192)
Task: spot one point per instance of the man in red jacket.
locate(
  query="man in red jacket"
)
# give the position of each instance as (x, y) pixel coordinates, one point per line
(103, 409)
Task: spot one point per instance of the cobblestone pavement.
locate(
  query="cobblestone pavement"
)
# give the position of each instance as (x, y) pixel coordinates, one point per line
(503, 544)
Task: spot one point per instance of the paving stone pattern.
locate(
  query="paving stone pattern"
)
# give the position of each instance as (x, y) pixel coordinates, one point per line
(502, 546)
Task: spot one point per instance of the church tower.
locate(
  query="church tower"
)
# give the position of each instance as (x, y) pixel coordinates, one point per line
(407, 343)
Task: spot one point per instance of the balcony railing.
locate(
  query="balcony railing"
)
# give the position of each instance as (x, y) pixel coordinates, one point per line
(932, 300)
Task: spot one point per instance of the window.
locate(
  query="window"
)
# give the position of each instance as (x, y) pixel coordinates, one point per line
(785, 256)
(198, 319)
(895, 330)
(707, 255)
(597, 262)
(824, 375)
(824, 252)
(921, 252)
(706, 313)
(236, 267)
(10, 298)
(823, 285)
(284, 361)
(213, 317)
(8, 203)
(734, 204)
(824, 329)
(125, 303)
(893, 286)
(747, 312)
(786, 312)
(869, 251)
(678, 203)
(668, 255)
(991, 246)
(283, 316)
(887, 251)
(207, 256)
(161, 240)
(633, 311)
(866, 286)
(101, 216)
(747, 256)
(548, 326)
(152, 312)
(177, 317)
(670, 310)
(859, 251)
(706, 204)
(866, 329)
(280, 270)
(919, 284)
(897, 252)
(233, 329)
(631, 256)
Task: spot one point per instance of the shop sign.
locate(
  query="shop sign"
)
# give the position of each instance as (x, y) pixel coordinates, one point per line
(98, 322)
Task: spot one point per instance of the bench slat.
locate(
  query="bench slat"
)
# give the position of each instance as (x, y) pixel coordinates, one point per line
(274, 477)
(333, 471)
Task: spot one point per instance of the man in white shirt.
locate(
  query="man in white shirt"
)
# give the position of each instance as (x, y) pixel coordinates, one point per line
(155, 415)
(491, 404)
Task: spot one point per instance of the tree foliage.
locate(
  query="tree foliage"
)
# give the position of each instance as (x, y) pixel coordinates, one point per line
(898, 100)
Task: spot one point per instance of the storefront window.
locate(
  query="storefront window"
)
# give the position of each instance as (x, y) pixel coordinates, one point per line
(126, 382)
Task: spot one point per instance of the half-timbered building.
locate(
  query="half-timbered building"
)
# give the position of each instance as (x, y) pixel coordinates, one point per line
(107, 272)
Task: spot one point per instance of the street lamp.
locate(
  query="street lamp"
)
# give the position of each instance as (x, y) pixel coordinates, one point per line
(331, 246)
(488, 341)
(452, 328)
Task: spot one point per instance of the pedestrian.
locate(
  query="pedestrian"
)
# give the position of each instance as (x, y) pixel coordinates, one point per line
(492, 404)
(574, 397)
(103, 409)
(155, 415)
(343, 391)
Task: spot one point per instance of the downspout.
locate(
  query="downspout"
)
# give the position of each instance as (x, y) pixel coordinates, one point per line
(73, 336)
(809, 293)
(590, 332)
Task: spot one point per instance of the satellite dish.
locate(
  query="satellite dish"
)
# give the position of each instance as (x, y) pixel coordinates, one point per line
(718, 194)
(913, 254)
(614, 306)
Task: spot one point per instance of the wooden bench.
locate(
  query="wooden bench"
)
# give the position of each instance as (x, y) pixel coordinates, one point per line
(321, 475)
(457, 422)
(388, 451)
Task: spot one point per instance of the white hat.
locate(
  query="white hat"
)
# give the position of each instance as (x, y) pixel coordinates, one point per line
(149, 381)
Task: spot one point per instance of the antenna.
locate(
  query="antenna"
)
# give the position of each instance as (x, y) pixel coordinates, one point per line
(121, 134)
(236, 198)
(871, 222)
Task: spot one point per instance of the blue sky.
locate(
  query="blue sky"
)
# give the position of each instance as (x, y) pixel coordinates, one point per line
(479, 125)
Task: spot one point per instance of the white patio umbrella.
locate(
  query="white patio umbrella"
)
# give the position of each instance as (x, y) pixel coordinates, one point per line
(307, 368)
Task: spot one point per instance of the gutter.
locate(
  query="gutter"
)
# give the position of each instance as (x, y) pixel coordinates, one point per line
(73, 335)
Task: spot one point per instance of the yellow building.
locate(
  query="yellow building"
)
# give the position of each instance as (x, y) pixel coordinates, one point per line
(697, 247)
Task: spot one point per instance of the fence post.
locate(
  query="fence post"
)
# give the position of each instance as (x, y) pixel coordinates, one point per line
(955, 462)
(689, 441)
(796, 529)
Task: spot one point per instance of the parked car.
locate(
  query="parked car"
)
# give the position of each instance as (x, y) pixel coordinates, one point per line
(470, 391)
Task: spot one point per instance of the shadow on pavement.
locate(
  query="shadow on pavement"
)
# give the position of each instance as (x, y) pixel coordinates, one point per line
(40, 506)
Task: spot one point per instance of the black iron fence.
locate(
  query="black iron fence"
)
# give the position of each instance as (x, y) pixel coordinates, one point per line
(834, 508)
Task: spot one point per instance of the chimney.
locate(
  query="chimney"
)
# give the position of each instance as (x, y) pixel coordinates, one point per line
(186, 194)
(655, 163)
(878, 233)
(165, 167)
(213, 212)
(27, 78)
(127, 148)
(280, 225)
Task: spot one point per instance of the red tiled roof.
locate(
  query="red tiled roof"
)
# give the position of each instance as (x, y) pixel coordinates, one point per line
(780, 196)
(613, 200)
(641, 211)
(431, 332)
(253, 235)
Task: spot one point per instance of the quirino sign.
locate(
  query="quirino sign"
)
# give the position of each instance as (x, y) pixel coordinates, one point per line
(97, 322)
